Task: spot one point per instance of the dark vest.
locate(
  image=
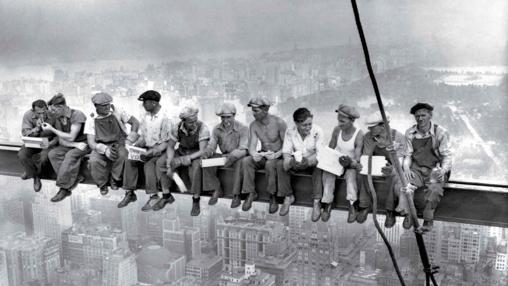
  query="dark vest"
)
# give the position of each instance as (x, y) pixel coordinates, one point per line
(189, 143)
(108, 130)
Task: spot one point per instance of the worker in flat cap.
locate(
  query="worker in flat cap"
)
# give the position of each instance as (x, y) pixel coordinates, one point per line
(299, 153)
(192, 136)
(107, 134)
(154, 133)
(72, 147)
(376, 143)
(232, 137)
(348, 140)
(35, 159)
(269, 130)
(428, 159)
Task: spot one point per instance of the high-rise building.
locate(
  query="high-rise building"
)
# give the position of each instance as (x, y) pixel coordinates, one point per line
(4, 278)
(87, 245)
(119, 268)
(298, 217)
(502, 257)
(122, 218)
(206, 268)
(157, 265)
(250, 276)
(181, 240)
(51, 219)
(13, 211)
(29, 258)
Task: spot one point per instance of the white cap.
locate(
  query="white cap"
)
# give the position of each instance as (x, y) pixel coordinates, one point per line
(376, 118)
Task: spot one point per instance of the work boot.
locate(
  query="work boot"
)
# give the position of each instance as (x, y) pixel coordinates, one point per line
(352, 213)
(408, 222)
(24, 176)
(273, 206)
(427, 225)
(285, 206)
(390, 219)
(361, 217)
(130, 196)
(37, 184)
(195, 207)
(149, 204)
(62, 194)
(327, 211)
(114, 185)
(160, 204)
(104, 190)
(215, 197)
(247, 204)
(316, 210)
(236, 201)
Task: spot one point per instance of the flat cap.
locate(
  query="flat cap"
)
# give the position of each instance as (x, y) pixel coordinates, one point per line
(375, 119)
(102, 98)
(348, 111)
(57, 99)
(150, 95)
(421, 105)
(258, 101)
(188, 112)
(226, 109)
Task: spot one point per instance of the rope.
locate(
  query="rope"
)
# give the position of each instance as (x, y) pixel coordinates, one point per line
(373, 193)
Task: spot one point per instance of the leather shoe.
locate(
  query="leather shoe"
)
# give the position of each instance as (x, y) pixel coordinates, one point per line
(390, 219)
(327, 211)
(236, 201)
(427, 225)
(273, 206)
(285, 206)
(247, 204)
(24, 176)
(104, 190)
(62, 194)
(316, 211)
(130, 196)
(195, 207)
(408, 222)
(149, 204)
(37, 184)
(215, 197)
(362, 215)
(352, 213)
(160, 204)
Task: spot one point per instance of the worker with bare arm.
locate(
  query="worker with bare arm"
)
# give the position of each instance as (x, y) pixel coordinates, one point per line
(107, 136)
(232, 137)
(428, 159)
(348, 140)
(269, 130)
(33, 159)
(72, 147)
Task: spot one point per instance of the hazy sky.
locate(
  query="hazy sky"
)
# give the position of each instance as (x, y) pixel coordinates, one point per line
(48, 31)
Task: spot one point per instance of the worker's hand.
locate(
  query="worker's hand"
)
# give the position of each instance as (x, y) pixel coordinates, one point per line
(409, 189)
(237, 153)
(387, 170)
(257, 157)
(81, 146)
(112, 153)
(287, 164)
(345, 161)
(46, 127)
(230, 160)
(147, 156)
(302, 165)
(270, 155)
(101, 148)
(131, 138)
(408, 175)
(206, 154)
(186, 160)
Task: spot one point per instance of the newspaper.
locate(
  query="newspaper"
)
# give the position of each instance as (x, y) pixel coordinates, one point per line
(378, 162)
(328, 160)
(135, 153)
(213, 162)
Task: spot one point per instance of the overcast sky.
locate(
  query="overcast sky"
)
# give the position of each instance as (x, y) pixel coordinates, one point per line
(50, 31)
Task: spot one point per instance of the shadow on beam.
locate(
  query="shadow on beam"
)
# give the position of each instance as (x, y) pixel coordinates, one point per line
(463, 202)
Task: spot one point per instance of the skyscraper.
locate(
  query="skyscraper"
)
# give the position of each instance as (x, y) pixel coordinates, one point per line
(206, 268)
(4, 278)
(51, 219)
(119, 268)
(122, 218)
(158, 265)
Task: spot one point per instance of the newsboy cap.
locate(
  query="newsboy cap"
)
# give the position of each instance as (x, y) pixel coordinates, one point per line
(258, 101)
(375, 119)
(102, 98)
(226, 109)
(348, 111)
(188, 111)
(57, 99)
(421, 105)
(150, 95)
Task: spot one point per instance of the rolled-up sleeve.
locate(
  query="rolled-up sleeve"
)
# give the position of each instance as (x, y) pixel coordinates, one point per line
(214, 139)
(27, 124)
(408, 144)
(443, 140)
(204, 133)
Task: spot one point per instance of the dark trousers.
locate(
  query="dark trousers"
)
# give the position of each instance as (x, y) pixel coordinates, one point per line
(66, 162)
(153, 174)
(284, 180)
(393, 195)
(250, 166)
(433, 192)
(32, 160)
(102, 169)
(211, 181)
(192, 173)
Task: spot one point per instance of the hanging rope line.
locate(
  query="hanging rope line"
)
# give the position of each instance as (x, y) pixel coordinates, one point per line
(427, 268)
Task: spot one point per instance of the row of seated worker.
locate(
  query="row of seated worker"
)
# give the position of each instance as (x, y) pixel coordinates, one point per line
(163, 147)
